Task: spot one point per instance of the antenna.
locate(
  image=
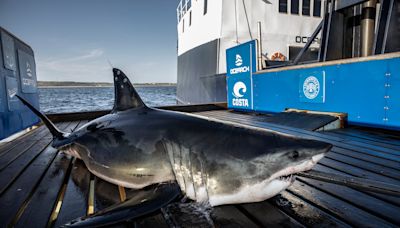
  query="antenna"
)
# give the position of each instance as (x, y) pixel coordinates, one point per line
(109, 63)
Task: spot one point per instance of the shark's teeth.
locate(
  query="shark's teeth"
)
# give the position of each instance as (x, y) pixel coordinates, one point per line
(288, 178)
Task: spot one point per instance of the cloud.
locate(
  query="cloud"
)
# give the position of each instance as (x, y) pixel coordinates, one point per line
(90, 65)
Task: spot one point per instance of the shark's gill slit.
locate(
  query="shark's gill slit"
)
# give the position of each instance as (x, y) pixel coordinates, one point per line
(191, 172)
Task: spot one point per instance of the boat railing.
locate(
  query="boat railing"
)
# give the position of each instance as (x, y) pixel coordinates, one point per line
(183, 7)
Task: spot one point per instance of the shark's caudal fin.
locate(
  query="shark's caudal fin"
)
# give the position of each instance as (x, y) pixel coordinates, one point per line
(145, 202)
(52, 128)
(126, 96)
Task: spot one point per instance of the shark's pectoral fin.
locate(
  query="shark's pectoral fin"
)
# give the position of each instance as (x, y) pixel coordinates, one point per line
(152, 200)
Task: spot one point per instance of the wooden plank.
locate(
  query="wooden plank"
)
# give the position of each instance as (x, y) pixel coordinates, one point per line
(363, 134)
(361, 200)
(378, 169)
(357, 171)
(230, 216)
(73, 116)
(305, 212)
(105, 195)
(14, 197)
(9, 145)
(337, 137)
(307, 134)
(73, 199)
(76, 116)
(11, 173)
(54, 177)
(369, 158)
(18, 150)
(268, 215)
(40, 205)
(373, 147)
(388, 199)
(17, 166)
(14, 153)
(385, 134)
(18, 194)
(351, 136)
(74, 203)
(349, 213)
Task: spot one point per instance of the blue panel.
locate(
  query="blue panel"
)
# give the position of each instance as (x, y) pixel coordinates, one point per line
(241, 59)
(27, 72)
(241, 62)
(363, 90)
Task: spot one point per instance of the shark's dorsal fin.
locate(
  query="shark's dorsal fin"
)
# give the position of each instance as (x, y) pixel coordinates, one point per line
(126, 96)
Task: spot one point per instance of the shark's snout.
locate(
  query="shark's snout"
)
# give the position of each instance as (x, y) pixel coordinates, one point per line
(312, 148)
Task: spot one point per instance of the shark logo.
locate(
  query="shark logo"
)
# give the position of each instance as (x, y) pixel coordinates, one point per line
(238, 89)
(239, 60)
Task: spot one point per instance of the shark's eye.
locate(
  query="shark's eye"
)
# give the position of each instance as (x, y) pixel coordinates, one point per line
(294, 154)
(92, 127)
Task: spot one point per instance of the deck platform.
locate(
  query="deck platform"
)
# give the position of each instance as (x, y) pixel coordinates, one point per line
(40, 187)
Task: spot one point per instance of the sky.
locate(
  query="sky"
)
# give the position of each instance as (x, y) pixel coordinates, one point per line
(79, 40)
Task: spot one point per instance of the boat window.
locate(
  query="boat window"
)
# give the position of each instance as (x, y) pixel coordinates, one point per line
(282, 6)
(294, 7)
(183, 25)
(8, 51)
(306, 7)
(317, 8)
(205, 7)
(190, 18)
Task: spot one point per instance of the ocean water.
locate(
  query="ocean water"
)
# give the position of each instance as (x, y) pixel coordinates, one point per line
(79, 99)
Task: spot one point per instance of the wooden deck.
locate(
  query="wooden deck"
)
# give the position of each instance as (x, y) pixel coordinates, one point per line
(40, 187)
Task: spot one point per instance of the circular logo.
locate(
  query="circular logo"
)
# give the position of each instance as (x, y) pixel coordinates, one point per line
(311, 87)
(239, 89)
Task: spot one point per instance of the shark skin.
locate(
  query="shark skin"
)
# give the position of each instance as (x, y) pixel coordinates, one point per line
(213, 162)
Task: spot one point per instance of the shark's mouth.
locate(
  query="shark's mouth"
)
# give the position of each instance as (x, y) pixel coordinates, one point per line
(268, 188)
(286, 175)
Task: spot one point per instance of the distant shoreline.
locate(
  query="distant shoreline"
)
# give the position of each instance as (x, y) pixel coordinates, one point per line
(53, 84)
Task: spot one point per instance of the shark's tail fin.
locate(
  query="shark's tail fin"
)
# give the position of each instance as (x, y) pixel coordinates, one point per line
(52, 128)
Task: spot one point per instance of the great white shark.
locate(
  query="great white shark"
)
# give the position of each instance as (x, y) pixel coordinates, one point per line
(209, 161)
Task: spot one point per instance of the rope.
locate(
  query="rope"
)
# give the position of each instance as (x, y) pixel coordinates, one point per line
(247, 19)
(236, 23)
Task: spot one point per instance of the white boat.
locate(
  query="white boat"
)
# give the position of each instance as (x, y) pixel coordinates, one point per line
(207, 28)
